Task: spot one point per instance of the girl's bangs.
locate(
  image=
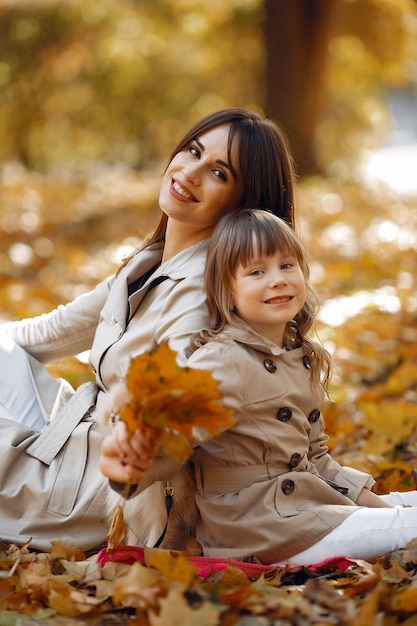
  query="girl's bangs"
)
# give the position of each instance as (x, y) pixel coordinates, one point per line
(263, 238)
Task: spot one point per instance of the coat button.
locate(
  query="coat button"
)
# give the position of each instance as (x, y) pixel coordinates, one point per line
(284, 414)
(314, 415)
(288, 487)
(306, 361)
(270, 365)
(295, 459)
(113, 320)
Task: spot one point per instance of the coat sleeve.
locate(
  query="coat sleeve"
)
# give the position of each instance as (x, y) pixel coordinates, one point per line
(329, 469)
(223, 369)
(63, 332)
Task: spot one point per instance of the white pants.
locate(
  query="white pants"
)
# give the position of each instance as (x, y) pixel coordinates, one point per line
(367, 533)
(28, 392)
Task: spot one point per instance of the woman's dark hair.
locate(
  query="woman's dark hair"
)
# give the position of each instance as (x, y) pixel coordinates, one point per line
(265, 162)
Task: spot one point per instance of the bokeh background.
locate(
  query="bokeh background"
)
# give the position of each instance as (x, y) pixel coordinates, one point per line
(94, 94)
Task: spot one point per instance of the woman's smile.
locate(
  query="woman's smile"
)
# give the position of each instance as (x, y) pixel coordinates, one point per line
(178, 188)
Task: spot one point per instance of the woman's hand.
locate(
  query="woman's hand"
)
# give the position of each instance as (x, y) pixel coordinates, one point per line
(125, 459)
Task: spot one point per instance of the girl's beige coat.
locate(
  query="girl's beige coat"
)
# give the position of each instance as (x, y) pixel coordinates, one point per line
(261, 485)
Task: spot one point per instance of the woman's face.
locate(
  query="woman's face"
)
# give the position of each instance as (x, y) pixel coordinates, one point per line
(200, 184)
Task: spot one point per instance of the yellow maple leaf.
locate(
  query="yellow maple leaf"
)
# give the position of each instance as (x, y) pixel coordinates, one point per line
(389, 423)
(176, 611)
(402, 378)
(390, 476)
(140, 585)
(167, 401)
(172, 564)
(405, 601)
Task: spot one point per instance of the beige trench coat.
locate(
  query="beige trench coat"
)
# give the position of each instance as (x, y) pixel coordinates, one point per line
(50, 485)
(261, 485)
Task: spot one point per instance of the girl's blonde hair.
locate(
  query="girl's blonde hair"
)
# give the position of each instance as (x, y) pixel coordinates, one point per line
(238, 237)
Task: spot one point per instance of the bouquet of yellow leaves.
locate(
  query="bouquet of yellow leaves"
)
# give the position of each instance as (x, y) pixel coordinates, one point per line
(167, 401)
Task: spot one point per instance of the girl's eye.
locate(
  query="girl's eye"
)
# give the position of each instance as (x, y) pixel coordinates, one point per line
(195, 151)
(256, 273)
(286, 266)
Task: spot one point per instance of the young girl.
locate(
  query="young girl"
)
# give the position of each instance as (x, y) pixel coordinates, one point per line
(268, 487)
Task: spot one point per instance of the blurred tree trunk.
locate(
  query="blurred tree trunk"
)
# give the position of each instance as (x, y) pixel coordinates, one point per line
(296, 38)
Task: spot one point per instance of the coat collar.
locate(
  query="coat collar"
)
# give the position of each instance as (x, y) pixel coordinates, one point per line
(176, 268)
(250, 337)
(188, 263)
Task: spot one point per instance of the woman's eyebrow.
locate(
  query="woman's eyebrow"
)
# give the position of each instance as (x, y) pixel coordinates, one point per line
(219, 161)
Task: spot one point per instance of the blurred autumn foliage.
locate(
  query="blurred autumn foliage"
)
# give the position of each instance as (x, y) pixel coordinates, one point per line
(92, 97)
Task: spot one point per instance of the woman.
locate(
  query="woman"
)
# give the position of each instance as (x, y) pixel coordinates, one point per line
(50, 483)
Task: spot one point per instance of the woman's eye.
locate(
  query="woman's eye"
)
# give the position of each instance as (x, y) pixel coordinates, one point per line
(195, 151)
(220, 174)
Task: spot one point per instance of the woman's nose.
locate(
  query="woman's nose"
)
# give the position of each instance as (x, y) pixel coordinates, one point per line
(192, 172)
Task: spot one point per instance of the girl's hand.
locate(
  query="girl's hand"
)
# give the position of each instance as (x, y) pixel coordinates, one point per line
(125, 459)
(371, 500)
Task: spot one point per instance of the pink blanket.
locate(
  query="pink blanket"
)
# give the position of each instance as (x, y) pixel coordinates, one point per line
(206, 565)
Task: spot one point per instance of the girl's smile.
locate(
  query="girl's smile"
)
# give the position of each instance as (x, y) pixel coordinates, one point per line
(278, 300)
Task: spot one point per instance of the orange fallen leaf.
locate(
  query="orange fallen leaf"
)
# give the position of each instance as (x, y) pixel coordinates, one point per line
(167, 401)
(172, 564)
(117, 531)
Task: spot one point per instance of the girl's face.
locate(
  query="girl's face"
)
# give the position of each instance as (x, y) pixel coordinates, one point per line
(269, 292)
(200, 184)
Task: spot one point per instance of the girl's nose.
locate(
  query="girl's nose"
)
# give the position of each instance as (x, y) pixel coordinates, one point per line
(278, 278)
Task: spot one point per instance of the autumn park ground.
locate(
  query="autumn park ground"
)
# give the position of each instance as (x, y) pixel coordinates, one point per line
(60, 235)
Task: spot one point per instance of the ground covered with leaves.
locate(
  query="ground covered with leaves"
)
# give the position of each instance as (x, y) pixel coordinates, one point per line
(66, 587)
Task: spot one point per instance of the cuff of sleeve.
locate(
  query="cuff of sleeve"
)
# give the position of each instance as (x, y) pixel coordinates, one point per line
(354, 480)
(124, 489)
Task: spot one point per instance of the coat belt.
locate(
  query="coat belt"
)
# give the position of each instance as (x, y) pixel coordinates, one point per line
(227, 479)
(53, 438)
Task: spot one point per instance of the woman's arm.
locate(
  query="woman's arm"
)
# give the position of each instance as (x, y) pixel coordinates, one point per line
(67, 330)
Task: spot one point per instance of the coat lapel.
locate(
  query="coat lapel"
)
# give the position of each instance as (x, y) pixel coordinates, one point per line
(118, 301)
